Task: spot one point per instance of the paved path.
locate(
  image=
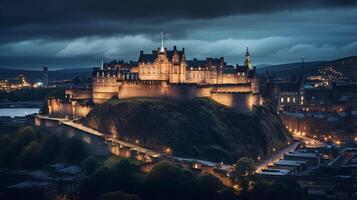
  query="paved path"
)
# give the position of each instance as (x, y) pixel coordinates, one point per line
(309, 142)
(276, 157)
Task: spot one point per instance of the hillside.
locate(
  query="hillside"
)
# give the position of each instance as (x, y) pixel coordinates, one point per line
(347, 65)
(288, 66)
(35, 75)
(198, 128)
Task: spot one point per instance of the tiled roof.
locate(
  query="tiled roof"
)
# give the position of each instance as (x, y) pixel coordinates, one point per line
(147, 57)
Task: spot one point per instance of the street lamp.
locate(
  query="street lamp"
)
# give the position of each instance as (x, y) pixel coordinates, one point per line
(114, 132)
(168, 150)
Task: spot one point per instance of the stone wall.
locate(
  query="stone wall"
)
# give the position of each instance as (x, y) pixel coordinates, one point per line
(81, 110)
(161, 89)
(58, 108)
(95, 145)
(78, 93)
(236, 101)
(232, 88)
(104, 89)
(129, 89)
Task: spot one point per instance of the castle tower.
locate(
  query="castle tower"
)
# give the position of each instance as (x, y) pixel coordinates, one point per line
(247, 60)
(45, 76)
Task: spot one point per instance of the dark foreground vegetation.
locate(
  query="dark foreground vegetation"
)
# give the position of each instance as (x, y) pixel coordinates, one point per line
(30, 149)
(117, 178)
(124, 181)
(198, 128)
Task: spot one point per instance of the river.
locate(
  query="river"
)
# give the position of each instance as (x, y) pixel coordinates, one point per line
(18, 112)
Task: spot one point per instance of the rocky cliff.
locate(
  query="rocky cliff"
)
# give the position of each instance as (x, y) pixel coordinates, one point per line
(197, 128)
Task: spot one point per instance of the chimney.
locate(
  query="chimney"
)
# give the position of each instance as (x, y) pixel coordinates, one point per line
(141, 52)
(175, 48)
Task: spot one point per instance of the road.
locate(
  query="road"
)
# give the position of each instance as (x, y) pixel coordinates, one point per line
(309, 142)
(275, 157)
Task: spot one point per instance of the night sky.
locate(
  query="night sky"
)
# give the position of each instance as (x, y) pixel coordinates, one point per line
(80, 33)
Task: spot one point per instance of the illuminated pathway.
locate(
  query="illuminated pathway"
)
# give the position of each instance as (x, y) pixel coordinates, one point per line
(309, 142)
(106, 137)
(276, 157)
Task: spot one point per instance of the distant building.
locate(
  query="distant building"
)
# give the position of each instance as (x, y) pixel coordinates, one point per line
(45, 76)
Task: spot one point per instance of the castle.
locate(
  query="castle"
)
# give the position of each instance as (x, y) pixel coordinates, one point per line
(165, 73)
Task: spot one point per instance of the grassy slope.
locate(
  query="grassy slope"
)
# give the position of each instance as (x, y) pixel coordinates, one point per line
(197, 128)
(348, 66)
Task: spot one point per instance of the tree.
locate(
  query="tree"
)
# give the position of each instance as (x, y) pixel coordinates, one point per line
(208, 186)
(75, 151)
(167, 181)
(5, 151)
(31, 156)
(118, 195)
(51, 146)
(244, 172)
(122, 176)
(24, 136)
(281, 189)
(90, 164)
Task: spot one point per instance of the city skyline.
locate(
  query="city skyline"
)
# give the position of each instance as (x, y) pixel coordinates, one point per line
(81, 34)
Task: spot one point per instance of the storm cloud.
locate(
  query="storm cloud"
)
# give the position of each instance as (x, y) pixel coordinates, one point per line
(77, 33)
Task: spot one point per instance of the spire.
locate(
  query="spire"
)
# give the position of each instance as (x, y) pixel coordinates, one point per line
(102, 66)
(247, 53)
(247, 60)
(162, 49)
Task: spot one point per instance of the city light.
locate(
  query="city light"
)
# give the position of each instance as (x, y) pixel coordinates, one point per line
(168, 150)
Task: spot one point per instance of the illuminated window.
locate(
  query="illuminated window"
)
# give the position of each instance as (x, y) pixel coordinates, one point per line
(294, 100)
(282, 99)
(302, 98)
(288, 99)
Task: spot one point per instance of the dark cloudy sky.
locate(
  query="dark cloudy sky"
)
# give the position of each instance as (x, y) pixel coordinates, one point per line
(79, 33)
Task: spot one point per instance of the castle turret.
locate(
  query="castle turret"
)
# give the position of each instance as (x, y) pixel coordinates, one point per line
(162, 49)
(247, 60)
